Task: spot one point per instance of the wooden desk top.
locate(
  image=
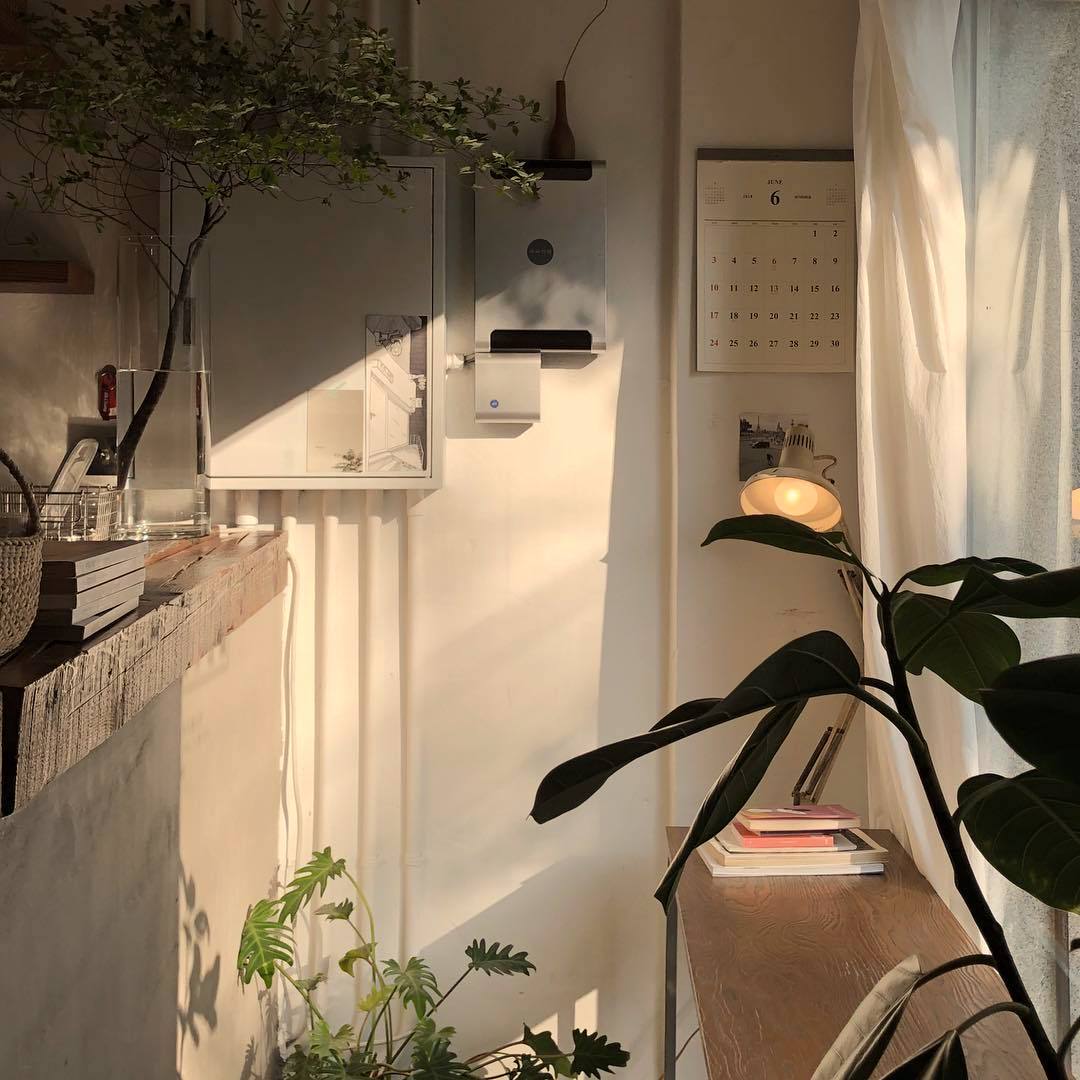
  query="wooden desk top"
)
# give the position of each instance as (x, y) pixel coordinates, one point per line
(778, 965)
(59, 701)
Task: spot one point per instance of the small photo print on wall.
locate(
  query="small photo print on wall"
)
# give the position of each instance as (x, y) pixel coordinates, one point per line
(761, 438)
(397, 395)
(335, 431)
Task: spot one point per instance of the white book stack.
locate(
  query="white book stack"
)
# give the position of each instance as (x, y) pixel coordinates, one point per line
(793, 841)
(87, 586)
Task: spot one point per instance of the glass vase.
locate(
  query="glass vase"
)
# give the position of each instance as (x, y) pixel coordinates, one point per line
(163, 388)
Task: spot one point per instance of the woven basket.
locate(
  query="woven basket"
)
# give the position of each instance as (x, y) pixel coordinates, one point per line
(20, 570)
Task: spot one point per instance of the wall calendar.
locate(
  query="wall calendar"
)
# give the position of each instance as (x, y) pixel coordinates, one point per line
(775, 260)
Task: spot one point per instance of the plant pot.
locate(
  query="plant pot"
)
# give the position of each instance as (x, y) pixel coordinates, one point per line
(166, 493)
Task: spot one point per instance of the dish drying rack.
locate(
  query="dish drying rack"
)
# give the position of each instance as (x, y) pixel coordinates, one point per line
(87, 514)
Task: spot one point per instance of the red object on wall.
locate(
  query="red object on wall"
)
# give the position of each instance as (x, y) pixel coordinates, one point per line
(106, 385)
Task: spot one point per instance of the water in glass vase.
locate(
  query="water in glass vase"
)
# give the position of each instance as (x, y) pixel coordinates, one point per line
(163, 387)
(166, 493)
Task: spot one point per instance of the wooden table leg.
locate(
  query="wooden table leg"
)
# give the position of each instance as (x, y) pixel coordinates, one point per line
(671, 967)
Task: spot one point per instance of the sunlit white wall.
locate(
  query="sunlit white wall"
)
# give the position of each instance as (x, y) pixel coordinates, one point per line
(449, 649)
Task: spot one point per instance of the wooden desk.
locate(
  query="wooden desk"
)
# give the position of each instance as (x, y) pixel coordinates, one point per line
(779, 964)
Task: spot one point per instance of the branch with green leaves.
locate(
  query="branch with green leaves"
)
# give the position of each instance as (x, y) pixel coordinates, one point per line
(118, 107)
(367, 1046)
(1026, 826)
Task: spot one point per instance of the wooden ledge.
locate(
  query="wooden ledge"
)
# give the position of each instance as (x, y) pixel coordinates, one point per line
(59, 701)
(779, 964)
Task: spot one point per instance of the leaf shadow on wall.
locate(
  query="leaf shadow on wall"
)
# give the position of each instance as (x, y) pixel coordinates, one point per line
(198, 1009)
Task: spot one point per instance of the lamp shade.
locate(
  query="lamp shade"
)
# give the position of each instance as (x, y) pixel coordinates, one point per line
(795, 489)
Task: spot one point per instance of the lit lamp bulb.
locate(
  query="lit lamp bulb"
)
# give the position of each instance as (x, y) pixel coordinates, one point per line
(795, 489)
(795, 498)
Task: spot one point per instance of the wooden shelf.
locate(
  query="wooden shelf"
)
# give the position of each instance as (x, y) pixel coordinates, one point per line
(45, 276)
(778, 965)
(59, 701)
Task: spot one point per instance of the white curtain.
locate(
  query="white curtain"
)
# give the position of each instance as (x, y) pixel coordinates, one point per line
(965, 117)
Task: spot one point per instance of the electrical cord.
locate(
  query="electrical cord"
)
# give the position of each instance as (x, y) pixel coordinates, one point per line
(679, 1053)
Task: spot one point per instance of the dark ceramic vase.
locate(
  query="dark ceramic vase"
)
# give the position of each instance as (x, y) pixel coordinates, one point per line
(560, 141)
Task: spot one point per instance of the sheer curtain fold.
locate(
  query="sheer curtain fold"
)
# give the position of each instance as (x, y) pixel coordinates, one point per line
(912, 303)
(966, 161)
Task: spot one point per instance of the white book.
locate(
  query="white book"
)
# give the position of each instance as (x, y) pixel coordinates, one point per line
(718, 869)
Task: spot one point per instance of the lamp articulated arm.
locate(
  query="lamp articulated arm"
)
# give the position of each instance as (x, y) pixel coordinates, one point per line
(797, 489)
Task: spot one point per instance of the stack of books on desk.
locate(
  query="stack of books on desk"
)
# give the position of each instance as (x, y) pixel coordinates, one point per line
(793, 841)
(86, 586)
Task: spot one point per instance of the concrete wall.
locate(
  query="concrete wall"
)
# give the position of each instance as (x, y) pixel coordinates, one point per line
(126, 881)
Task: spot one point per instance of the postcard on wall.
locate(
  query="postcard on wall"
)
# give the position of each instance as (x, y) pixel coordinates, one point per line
(397, 432)
(761, 438)
(335, 431)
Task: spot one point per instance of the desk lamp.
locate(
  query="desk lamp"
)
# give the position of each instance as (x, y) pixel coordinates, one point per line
(798, 490)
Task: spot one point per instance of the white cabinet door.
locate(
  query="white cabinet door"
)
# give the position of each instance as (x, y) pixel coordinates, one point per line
(305, 299)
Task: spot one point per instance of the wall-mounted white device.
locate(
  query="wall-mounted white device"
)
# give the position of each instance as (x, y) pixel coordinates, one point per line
(541, 282)
(507, 387)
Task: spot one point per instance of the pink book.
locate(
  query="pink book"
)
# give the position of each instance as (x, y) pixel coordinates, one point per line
(787, 819)
(751, 839)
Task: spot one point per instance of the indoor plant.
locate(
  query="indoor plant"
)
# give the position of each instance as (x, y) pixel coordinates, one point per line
(374, 1046)
(123, 104)
(1027, 826)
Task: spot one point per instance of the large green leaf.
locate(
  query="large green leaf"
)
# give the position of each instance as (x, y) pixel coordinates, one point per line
(943, 1059)
(544, 1046)
(341, 911)
(730, 793)
(593, 1054)
(811, 666)
(1035, 707)
(1028, 828)
(934, 574)
(437, 1061)
(1054, 594)
(859, 1041)
(688, 710)
(527, 1067)
(264, 940)
(361, 953)
(968, 650)
(327, 1044)
(415, 982)
(779, 532)
(879, 1015)
(313, 875)
(496, 959)
(427, 1032)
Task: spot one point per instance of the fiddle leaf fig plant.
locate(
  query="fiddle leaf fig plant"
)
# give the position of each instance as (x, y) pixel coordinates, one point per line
(948, 620)
(115, 108)
(374, 1044)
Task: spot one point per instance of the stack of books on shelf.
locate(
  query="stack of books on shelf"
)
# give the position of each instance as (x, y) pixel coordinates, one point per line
(86, 586)
(793, 841)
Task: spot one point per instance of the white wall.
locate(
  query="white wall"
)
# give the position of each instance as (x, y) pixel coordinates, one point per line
(775, 74)
(450, 649)
(127, 878)
(769, 74)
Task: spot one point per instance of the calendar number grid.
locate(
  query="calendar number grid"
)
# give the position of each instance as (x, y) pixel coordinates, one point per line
(775, 293)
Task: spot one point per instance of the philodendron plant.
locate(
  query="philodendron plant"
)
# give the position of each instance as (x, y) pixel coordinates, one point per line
(1026, 826)
(374, 1045)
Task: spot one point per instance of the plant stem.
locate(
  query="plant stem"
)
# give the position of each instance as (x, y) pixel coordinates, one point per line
(312, 1007)
(967, 884)
(125, 451)
(460, 979)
